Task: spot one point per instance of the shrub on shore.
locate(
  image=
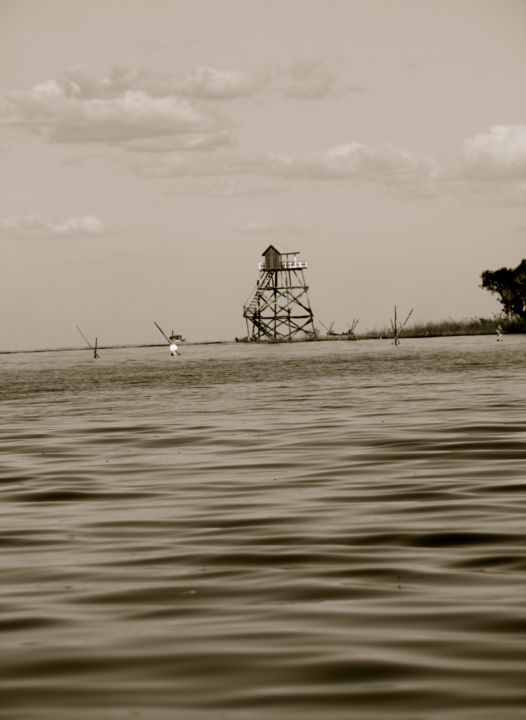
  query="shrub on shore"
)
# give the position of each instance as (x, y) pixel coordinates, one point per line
(465, 326)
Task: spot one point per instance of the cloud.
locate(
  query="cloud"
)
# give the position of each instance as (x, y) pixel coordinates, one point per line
(313, 79)
(214, 84)
(49, 111)
(381, 163)
(255, 227)
(353, 161)
(201, 83)
(230, 187)
(182, 142)
(490, 168)
(128, 107)
(498, 155)
(35, 226)
(145, 110)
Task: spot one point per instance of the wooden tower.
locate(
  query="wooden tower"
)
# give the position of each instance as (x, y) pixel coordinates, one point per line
(279, 309)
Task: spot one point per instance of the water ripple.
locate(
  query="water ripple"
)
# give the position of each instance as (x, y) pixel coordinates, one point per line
(317, 530)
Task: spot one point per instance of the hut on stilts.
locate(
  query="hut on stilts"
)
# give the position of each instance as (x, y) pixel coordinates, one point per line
(279, 309)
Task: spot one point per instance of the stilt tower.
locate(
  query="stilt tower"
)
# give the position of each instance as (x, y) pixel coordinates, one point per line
(279, 310)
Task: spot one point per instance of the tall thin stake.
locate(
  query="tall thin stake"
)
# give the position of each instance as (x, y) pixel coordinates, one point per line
(94, 348)
(397, 329)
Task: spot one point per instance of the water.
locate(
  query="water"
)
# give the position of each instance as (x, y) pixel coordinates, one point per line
(320, 530)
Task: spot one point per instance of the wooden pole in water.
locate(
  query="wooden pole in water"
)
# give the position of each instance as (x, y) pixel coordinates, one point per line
(95, 353)
(162, 333)
(398, 329)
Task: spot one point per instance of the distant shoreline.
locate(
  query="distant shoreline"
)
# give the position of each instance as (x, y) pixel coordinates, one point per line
(367, 336)
(110, 347)
(444, 328)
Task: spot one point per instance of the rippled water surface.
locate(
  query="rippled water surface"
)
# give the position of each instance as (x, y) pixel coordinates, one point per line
(311, 531)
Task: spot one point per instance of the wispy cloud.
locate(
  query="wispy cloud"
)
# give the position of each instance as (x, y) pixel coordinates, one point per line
(256, 227)
(202, 82)
(354, 160)
(314, 79)
(231, 187)
(490, 168)
(35, 226)
(383, 163)
(211, 84)
(182, 142)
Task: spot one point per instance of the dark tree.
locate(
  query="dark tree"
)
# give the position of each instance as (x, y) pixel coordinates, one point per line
(510, 285)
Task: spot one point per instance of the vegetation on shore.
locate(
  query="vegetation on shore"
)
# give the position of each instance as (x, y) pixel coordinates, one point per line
(508, 284)
(466, 326)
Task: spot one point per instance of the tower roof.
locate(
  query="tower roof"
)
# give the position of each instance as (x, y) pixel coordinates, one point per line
(281, 250)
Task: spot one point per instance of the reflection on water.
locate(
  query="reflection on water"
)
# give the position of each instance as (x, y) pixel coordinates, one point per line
(319, 530)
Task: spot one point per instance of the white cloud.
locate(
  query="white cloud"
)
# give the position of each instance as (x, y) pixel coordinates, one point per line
(354, 160)
(48, 110)
(497, 155)
(490, 169)
(35, 225)
(141, 109)
(129, 105)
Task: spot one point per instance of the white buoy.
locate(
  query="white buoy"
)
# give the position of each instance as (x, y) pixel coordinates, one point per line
(173, 349)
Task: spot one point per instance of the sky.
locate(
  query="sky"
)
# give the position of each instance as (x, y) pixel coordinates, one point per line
(151, 150)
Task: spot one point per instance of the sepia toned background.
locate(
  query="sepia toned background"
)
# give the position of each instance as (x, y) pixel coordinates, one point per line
(150, 151)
